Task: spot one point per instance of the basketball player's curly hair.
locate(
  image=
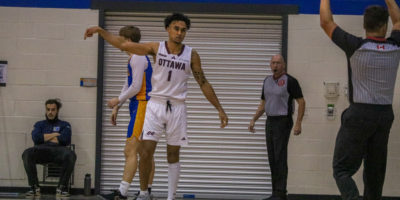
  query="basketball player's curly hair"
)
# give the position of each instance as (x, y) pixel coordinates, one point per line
(177, 17)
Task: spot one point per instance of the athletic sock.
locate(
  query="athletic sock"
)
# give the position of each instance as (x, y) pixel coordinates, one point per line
(173, 178)
(123, 188)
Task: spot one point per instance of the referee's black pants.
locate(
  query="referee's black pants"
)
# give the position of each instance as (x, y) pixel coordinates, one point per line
(277, 132)
(42, 154)
(363, 136)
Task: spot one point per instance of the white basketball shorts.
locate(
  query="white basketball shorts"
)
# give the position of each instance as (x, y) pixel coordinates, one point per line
(165, 116)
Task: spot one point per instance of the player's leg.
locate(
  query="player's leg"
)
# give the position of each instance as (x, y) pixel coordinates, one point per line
(152, 130)
(176, 137)
(131, 164)
(174, 168)
(137, 111)
(147, 148)
(151, 177)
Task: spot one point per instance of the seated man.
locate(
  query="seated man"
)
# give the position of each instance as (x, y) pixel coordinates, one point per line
(51, 138)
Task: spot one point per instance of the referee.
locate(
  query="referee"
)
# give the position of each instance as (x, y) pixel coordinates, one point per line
(366, 123)
(277, 100)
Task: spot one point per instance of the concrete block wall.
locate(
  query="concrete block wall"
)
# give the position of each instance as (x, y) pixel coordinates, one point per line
(313, 58)
(46, 57)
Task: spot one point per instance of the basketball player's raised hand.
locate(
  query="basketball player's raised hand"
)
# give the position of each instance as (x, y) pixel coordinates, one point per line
(90, 31)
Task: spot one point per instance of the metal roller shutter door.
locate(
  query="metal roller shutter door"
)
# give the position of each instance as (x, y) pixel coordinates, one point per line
(228, 163)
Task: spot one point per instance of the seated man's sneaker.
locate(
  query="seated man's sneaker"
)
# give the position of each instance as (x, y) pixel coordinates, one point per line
(119, 196)
(62, 191)
(34, 191)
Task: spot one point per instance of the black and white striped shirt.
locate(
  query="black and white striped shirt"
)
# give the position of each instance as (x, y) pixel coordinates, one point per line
(372, 66)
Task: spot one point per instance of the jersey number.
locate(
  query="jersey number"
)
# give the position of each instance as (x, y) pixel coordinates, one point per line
(169, 75)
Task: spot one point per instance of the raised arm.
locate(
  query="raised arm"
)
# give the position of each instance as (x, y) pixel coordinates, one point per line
(120, 43)
(394, 13)
(206, 87)
(326, 18)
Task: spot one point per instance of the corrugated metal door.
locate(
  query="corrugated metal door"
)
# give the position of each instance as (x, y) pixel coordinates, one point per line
(226, 163)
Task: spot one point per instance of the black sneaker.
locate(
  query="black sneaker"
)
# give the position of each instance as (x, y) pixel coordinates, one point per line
(62, 191)
(35, 191)
(118, 195)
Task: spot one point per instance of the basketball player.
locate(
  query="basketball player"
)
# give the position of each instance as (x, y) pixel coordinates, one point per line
(136, 88)
(166, 110)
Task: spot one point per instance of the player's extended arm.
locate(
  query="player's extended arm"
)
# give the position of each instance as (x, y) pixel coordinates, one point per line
(206, 87)
(394, 13)
(326, 18)
(120, 43)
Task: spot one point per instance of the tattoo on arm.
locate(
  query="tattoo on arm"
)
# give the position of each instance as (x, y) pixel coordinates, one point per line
(199, 76)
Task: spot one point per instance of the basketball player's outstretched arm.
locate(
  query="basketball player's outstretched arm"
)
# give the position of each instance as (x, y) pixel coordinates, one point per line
(119, 42)
(206, 87)
(394, 13)
(326, 18)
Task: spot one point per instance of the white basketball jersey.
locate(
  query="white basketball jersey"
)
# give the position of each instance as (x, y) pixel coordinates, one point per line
(170, 73)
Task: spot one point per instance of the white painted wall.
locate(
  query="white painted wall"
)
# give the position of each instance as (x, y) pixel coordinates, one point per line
(313, 58)
(46, 57)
